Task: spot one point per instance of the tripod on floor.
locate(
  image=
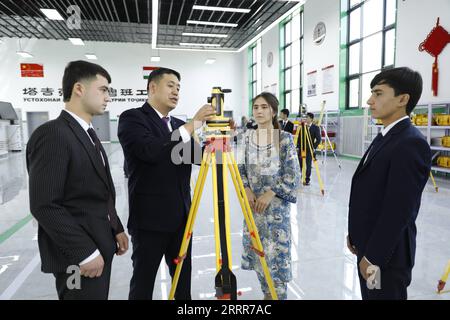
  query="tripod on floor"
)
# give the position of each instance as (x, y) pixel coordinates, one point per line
(303, 136)
(219, 157)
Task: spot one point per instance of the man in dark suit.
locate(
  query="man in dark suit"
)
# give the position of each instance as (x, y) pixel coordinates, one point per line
(159, 183)
(316, 138)
(387, 188)
(285, 124)
(72, 193)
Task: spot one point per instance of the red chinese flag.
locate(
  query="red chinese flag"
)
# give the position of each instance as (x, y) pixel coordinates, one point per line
(32, 70)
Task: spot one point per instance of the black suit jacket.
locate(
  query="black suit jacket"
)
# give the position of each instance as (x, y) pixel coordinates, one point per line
(289, 127)
(69, 193)
(159, 188)
(385, 197)
(316, 137)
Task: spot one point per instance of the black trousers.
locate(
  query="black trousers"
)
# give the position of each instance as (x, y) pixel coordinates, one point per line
(394, 284)
(308, 165)
(90, 288)
(148, 249)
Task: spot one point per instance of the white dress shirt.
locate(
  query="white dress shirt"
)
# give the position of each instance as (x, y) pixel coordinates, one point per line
(183, 132)
(389, 127)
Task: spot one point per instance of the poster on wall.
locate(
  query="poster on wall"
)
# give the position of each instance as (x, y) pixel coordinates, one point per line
(311, 79)
(328, 79)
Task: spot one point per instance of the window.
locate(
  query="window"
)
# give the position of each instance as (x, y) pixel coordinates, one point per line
(255, 83)
(370, 45)
(292, 62)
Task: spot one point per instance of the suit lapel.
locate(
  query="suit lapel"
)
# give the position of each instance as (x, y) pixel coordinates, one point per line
(154, 117)
(87, 145)
(399, 127)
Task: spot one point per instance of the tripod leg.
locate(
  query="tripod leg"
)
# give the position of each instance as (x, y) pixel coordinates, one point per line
(331, 146)
(251, 225)
(226, 286)
(190, 222)
(227, 207)
(444, 278)
(216, 212)
(308, 137)
(434, 182)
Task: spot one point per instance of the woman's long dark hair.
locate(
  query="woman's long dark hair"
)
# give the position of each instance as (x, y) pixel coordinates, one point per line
(273, 102)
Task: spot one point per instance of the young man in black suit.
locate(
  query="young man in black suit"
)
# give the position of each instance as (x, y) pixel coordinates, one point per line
(159, 184)
(316, 138)
(387, 188)
(72, 193)
(285, 124)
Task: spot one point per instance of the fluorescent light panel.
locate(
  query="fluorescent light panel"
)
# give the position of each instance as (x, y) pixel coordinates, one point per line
(76, 41)
(91, 56)
(24, 54)
(199, 44)
(52, 14)
(155, 15)
(221, 9)
(211, 35)
(218, 24)
(155, 58)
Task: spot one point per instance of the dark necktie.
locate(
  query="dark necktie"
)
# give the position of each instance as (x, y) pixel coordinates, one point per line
(375, 143)
(166, 121)
(112, 213)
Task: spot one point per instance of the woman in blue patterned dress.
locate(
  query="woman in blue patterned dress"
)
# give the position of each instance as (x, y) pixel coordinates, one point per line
(270, 172)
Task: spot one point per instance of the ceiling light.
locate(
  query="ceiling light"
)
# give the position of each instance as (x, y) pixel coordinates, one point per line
(218, 24)
(155, 58)
(210, 61)
(24, 54)
(52, 14)
(199, 44)
(76, 41)
(91, 56)
(212, 35)
(220, 9)
(155, 16)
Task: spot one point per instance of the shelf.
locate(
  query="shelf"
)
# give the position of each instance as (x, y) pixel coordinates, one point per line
(434, 127)
(440, 127)
(440, 169)
(440, 148)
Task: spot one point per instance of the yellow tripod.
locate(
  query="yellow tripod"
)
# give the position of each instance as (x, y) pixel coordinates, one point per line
(303, 136)
(219, 157)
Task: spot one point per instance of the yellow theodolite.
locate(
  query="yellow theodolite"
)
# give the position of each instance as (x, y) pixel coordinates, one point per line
(219, 157)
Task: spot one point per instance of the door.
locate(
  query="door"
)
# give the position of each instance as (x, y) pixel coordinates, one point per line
(101, 126)
(35, 119)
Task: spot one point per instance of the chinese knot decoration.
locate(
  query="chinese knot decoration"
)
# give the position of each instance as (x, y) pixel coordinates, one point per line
(435, 42)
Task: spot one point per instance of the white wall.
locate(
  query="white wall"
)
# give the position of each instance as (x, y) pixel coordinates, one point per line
(415, 19)
(317, 57)
(270, 42)
(124, 62)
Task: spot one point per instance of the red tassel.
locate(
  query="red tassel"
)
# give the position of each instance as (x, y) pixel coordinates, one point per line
(435, 79)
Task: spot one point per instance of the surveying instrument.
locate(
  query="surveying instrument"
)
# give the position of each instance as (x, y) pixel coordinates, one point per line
(304, 141)
(218, 156)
